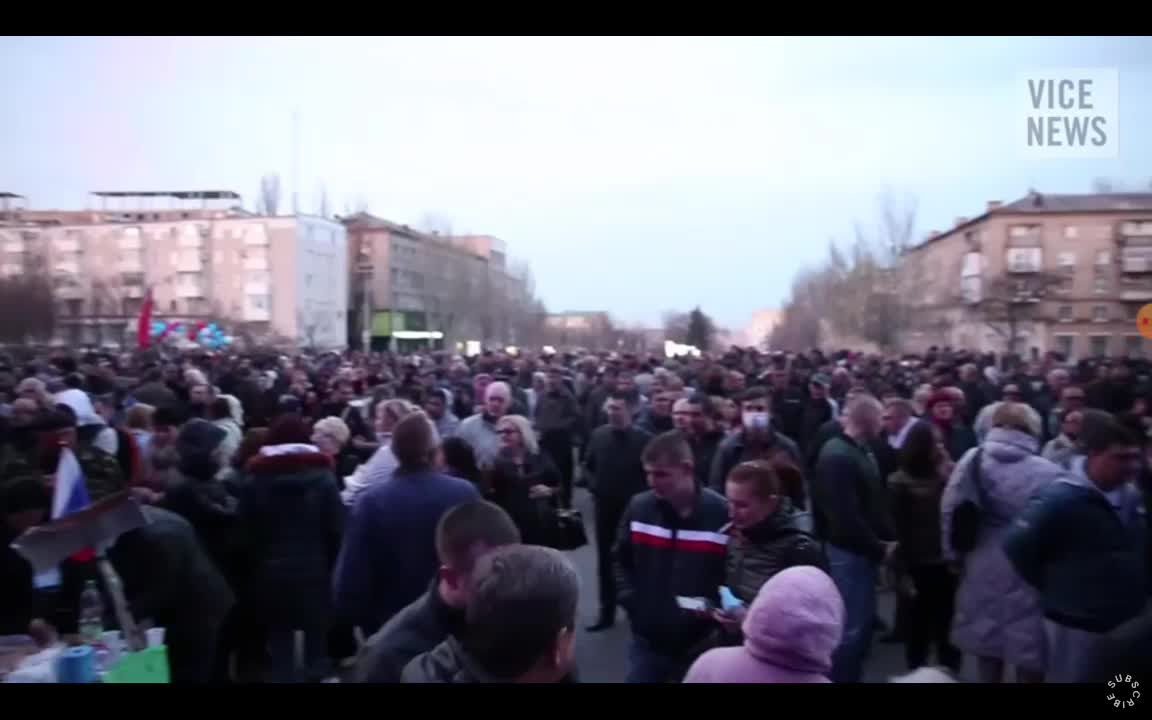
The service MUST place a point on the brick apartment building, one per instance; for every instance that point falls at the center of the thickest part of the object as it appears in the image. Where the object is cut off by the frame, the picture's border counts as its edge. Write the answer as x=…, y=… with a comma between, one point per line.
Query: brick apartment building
x=263, y=277
x=1075, y=268
x=413, y=289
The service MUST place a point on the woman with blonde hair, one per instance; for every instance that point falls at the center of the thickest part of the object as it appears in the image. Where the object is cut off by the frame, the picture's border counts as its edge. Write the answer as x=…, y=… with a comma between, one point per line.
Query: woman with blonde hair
x=998, y=616
x=523, y=480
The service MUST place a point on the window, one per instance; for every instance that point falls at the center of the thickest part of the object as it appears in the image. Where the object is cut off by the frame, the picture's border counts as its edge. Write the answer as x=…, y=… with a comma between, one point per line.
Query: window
x=1100, y=313
x=1103, y=257
x=132, y=306
x=258, y=302
x=1071, y=232
x=1101, y=284
x=172, y=306
x=130, y=239
x=1064, y=344
x=1134, y=346
x=1065, y=313
x=1099, y=345
x=1024, y=259
x=970, y=289
x=74, y=306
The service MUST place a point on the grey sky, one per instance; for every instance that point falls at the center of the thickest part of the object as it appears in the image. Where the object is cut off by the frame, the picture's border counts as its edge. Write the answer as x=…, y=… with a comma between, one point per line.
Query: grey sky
x=635, y=175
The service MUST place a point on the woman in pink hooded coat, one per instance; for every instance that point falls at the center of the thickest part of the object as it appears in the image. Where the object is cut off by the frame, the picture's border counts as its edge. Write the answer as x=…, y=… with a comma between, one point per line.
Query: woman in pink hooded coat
x=790, y=631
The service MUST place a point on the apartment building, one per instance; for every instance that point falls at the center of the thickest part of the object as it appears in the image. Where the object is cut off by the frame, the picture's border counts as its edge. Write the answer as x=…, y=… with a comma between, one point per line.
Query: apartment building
x=412, y=289
x=1064, y=273
x=263, y=278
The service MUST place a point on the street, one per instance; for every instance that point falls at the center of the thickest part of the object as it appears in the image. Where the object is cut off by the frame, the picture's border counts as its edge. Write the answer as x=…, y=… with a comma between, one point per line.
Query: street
x=603, y=656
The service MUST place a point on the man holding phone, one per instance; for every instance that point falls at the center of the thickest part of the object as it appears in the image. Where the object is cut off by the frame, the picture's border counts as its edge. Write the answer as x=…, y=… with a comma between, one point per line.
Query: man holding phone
x=669, y=563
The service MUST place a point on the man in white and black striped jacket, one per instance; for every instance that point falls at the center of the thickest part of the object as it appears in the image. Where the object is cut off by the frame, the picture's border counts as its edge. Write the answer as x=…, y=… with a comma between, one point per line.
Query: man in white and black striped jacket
x=669, y=546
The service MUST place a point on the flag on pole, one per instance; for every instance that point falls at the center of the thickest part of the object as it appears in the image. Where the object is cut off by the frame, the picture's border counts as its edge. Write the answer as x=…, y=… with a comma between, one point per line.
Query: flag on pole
x=69, y=495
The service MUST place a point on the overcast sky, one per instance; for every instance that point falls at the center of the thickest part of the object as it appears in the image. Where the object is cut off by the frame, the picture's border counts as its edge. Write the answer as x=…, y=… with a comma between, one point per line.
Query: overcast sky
x=636, y=175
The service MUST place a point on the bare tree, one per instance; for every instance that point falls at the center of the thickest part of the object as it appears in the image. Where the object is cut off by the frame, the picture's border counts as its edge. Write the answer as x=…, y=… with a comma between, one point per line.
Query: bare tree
x=858, y=294
x=269, y=196
x=30, y=303
x=1008, y=300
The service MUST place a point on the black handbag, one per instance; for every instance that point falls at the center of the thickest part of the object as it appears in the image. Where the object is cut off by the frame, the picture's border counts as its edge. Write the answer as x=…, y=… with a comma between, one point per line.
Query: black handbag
x=967, y=518
x=563, y=528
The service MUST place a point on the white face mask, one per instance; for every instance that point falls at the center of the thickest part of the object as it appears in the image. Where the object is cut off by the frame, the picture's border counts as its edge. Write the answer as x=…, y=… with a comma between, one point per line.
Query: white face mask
x=756, y=420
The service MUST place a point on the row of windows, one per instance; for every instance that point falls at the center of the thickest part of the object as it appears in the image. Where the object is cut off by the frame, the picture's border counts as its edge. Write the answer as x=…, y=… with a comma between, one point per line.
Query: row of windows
x=1100, y=345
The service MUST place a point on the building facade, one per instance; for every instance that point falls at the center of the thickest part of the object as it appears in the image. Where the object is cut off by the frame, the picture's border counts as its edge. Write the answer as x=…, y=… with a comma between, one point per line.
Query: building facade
x=263, y=278
x=1064, y=273
x=412, y=289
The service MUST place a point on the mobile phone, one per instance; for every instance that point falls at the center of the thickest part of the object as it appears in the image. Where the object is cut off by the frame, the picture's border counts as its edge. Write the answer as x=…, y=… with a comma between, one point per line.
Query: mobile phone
x=695, y=604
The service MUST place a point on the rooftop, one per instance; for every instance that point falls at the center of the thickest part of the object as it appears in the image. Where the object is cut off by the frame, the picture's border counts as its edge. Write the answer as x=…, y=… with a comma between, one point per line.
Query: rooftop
x=1037, y=203
x=177, y=194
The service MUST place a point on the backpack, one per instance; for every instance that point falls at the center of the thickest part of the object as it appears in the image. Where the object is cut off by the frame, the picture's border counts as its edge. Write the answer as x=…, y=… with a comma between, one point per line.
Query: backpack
x=967, y=518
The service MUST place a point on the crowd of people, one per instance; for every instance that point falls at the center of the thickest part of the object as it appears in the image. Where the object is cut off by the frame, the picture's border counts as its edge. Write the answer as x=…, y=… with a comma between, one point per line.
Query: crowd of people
x=373, y=517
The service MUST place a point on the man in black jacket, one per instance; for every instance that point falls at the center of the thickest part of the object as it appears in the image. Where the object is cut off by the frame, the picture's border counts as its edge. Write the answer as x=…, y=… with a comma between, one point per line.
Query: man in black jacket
x=759, y=440
x=521, y=620
x=465, y=533
x=613, y=464
x=696, y=417
x=670, y=555
x=851, y=513
x=557, y=421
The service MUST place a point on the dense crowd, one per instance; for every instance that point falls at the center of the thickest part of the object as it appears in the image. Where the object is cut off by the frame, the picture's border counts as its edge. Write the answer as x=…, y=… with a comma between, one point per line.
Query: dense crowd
x=384, y=518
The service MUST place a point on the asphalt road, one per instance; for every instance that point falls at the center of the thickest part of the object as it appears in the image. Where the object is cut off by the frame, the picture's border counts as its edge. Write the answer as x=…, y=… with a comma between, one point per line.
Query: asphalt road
x=603, y=656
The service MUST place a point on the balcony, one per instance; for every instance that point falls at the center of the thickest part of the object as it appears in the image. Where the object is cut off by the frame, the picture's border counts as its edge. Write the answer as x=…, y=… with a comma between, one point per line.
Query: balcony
x=1136, y=259
x=1136, y=295
x=255, y=262
x=1024, y=260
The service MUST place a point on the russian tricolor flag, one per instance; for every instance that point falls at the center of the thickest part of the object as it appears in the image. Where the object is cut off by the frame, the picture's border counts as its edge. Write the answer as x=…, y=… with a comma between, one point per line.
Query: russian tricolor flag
x=69, y=495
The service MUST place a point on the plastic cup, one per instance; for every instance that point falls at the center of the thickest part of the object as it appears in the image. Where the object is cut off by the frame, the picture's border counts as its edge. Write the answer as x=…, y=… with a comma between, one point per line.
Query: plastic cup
x=155, y=637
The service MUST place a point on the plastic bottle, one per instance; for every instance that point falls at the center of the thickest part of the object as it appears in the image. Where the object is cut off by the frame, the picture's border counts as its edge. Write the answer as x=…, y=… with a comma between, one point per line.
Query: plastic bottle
x=91, y=623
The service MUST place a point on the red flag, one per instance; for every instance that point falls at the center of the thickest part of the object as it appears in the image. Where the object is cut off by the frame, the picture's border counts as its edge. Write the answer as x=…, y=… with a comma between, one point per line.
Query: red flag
x=144, y=324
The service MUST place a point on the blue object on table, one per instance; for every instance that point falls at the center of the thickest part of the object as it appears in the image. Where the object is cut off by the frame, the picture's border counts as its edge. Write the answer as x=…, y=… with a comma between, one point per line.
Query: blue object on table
x=77, y=665
x=728, y=601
